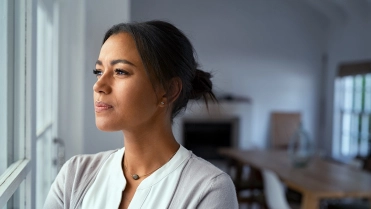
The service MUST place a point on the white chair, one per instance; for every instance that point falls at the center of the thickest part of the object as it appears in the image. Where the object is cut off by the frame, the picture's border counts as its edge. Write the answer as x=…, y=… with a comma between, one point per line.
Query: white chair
x=274, y=191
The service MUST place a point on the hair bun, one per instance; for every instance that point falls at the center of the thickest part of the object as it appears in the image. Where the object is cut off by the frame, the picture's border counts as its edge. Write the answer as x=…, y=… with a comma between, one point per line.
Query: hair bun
x=202, y=85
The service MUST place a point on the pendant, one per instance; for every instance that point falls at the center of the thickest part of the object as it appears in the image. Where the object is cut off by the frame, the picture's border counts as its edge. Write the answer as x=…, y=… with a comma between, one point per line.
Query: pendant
x=135, y=176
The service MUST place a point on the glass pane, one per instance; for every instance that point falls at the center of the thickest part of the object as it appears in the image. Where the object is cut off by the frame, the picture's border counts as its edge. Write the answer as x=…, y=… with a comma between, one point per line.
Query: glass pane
x=348, y=93
x=4, y=71
x=19, y=79
x=363, y=144
x=354, y=133
x=12, y=82
x=345, y=140
x=40, y=88
x=44, y=171
x=367, y=93
x=358, y=90
x=46, y=97
x=44, y=70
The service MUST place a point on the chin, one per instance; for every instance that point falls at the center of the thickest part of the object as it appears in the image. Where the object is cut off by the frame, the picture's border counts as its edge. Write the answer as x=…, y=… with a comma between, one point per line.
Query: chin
x=104, y=126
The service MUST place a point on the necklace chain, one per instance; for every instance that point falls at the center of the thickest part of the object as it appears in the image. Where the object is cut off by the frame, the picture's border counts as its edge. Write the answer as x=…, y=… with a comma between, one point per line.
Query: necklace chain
x=136, y=176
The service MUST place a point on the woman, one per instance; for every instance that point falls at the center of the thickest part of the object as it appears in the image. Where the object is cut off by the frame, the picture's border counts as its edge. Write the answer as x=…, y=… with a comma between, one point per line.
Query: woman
x=146, y=73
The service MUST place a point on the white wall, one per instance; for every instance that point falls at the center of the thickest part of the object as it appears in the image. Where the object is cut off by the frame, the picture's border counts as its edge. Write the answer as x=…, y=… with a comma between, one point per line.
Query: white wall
x=82, y=26
x=100, y=16
x=267, y=50
x=349, y=41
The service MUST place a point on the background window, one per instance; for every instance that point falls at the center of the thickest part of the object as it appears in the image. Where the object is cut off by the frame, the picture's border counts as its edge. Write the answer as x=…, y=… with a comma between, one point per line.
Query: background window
x=353, y=87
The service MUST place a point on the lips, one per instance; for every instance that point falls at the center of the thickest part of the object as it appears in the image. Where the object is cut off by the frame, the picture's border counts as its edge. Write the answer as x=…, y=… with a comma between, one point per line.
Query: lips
x=101, y=106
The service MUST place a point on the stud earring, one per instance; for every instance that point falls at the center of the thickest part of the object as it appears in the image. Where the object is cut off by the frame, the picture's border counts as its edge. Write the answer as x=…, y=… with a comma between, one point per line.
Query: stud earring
x=162, y=103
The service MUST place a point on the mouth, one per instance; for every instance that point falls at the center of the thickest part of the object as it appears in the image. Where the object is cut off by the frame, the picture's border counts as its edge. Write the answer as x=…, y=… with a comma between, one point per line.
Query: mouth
x=101, y=106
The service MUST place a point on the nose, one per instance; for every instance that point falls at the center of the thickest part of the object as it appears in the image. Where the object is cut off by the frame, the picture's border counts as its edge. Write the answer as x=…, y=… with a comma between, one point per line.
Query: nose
x=102, y=86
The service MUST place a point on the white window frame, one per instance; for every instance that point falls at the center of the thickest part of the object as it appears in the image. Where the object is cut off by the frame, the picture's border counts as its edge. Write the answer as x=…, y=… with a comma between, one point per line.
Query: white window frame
x=20, y=170
x=5, y=63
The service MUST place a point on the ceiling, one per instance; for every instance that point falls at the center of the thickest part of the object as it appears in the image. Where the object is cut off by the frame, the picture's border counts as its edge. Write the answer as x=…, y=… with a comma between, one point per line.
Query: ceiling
x=341, y=10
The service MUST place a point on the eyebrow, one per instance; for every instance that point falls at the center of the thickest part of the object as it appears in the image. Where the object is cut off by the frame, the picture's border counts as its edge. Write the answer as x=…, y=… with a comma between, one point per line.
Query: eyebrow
x=114, y=62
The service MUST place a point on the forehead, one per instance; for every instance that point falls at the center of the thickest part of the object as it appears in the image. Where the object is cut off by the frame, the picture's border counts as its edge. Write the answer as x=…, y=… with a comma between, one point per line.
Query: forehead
x=120, y=46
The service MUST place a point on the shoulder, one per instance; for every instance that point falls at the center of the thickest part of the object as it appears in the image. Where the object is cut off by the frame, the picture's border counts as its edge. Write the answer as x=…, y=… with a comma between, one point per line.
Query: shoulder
x=84, y=165
x=203, y=174
x=80, y=170
x=72, y=180
x=88, y=161
x=206, y=185
x=202, y=168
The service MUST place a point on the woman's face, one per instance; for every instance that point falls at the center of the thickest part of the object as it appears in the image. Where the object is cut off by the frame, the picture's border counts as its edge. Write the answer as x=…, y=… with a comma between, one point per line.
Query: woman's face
x=124, y=96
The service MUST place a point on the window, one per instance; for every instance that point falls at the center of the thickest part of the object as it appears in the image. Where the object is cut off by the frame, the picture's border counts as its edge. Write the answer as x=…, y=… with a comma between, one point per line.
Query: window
x=46, y=97
x=29, y=64
x=14, y=152
x=353, y=103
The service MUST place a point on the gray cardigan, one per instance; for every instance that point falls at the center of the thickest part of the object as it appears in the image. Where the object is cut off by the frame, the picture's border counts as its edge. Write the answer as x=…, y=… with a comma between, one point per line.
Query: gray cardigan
x=200, y=181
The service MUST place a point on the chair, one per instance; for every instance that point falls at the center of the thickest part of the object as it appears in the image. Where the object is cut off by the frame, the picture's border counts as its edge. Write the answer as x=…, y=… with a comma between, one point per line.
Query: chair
x=283, y=126
x=367, y=164
x=274, y=191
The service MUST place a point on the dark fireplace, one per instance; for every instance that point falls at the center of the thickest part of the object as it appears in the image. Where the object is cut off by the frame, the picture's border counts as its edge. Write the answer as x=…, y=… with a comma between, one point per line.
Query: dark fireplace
x=205, y=136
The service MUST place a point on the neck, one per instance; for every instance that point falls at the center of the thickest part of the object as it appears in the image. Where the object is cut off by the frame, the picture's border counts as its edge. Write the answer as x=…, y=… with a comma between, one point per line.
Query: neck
x=148, y=151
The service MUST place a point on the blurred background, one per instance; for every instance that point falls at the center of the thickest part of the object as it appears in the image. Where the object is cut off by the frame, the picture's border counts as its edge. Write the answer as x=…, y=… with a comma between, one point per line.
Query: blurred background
x=283, y=55
x=266, y=56
x=280, y=55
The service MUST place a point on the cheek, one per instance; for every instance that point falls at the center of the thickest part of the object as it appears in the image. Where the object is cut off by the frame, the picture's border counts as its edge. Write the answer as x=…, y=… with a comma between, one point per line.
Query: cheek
x=136, y=98
x=142, y=98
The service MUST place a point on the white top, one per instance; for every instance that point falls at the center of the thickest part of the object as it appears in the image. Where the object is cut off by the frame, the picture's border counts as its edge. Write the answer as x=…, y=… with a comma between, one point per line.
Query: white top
x=201, y=185
x=155, y=191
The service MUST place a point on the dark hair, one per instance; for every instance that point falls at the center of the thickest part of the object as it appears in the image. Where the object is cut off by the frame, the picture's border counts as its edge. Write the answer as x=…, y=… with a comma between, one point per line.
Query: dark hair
x=167, y=53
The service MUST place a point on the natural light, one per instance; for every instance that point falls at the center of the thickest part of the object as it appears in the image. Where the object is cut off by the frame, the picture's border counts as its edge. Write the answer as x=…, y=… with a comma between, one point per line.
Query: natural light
x=355, y=109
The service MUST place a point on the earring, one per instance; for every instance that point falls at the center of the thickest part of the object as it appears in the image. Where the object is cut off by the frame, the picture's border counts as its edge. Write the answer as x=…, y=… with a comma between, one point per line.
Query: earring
x=162, y=103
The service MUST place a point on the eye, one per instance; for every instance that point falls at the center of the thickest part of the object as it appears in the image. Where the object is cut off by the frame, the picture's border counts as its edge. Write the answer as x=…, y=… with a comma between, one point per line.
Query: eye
x=97, y=72
x=121, y=72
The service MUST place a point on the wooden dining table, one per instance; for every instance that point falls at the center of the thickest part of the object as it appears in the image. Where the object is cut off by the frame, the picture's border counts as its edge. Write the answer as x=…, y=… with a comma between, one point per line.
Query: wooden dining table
x=319, y=179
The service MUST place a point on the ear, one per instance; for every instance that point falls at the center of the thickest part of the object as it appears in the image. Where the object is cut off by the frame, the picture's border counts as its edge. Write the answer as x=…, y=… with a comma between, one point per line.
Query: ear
x=173, y=91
